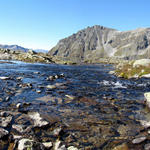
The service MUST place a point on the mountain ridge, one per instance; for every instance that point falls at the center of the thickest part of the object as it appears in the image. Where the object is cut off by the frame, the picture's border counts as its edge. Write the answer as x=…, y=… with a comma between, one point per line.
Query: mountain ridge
x=98, y=42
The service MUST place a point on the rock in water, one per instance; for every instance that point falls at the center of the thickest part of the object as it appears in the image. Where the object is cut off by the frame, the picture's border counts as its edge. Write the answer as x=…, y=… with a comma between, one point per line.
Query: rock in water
x=38, y=121
x=147, y=96
x=27, y=144
x=139, y=140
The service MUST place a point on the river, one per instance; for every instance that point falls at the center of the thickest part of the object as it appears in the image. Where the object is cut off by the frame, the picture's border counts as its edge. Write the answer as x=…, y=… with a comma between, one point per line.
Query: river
x=96, y=109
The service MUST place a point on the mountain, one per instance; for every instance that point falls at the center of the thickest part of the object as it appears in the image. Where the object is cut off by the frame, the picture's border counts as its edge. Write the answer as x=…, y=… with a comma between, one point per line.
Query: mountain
x=14, y=47
x=41, y=50
x=97, y=42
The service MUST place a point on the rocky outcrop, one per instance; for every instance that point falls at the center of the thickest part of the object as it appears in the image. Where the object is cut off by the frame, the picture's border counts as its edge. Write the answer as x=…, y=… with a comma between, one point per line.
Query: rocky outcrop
x=98, y=42
x=30, y=56
x=133, y=69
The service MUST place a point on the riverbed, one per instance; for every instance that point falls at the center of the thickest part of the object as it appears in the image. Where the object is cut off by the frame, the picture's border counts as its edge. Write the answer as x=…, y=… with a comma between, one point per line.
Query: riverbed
x=92, y=108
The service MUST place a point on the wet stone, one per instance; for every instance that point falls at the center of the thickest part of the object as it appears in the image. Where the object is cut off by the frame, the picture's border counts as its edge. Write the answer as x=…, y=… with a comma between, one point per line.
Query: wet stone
x=38, y=121
x=59, y=146
x=21, y=128
x=139, y=140
x=47, y=144
x=72, y=148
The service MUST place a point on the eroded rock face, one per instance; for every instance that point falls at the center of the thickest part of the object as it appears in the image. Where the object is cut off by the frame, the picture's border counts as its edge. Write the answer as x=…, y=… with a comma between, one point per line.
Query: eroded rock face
x=97, y=42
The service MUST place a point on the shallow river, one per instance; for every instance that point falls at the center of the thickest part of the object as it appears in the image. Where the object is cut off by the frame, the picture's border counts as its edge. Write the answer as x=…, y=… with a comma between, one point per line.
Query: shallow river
x=95, y=109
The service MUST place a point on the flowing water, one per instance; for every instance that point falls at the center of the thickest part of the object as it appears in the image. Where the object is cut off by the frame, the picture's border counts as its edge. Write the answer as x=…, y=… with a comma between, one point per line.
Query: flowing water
x=97, y=110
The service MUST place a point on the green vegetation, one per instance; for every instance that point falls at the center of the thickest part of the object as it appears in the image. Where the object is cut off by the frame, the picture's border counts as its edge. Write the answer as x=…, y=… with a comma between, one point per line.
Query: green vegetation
x=128, y=71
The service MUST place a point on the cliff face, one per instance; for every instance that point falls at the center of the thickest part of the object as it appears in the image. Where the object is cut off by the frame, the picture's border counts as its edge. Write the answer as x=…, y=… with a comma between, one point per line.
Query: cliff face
x=97, y=42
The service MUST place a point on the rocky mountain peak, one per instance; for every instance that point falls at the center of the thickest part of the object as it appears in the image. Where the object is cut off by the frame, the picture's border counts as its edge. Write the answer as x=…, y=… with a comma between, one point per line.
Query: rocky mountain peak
x=97, y=42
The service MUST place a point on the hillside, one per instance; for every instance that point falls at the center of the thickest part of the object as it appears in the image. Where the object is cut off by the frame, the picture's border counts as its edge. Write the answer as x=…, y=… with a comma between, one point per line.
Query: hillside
x=98, y=42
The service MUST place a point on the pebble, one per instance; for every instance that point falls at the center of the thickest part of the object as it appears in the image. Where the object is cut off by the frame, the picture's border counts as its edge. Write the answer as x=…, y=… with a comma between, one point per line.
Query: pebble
x=139, y=140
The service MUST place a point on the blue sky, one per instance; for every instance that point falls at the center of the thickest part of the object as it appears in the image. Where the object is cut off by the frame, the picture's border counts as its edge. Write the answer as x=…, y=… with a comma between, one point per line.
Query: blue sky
x=42, y=23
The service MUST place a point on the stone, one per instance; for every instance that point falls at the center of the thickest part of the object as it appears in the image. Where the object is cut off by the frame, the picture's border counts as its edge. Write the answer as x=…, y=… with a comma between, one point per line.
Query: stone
x=57, y=131
x=21, y=128
x=58, y=146
x=48, y=144
x=141, y=62
x=19, y=78
x=146, y=76
x=38, y=121
x=147, y=146
x=145, y=123
x=147, y=96
x=17, y=137
x=38, y=91
x=139, y=140
x=3, y=133
x=70, y=97
x=51, y=87
x=27, y=144
x=123, y=146
x=18, y=105
x=4, y=78
x=72, y=148
x=5, y=121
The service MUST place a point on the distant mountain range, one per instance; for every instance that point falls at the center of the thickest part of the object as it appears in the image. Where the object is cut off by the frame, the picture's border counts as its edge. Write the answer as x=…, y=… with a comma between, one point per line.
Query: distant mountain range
x=14, y=47
x=97, y=42
x=20, y=48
